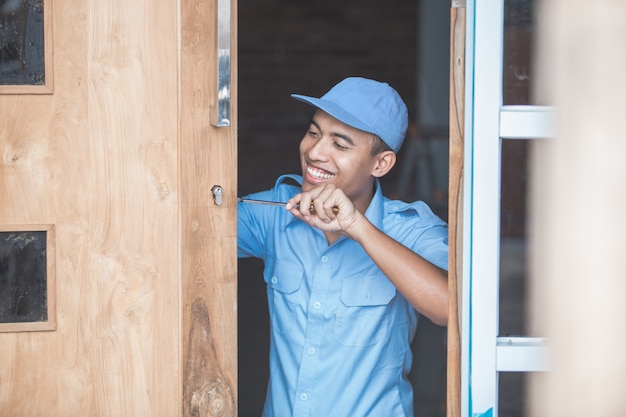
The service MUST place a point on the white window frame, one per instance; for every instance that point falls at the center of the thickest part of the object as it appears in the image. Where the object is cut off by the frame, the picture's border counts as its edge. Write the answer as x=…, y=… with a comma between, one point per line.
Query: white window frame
x=488, y=122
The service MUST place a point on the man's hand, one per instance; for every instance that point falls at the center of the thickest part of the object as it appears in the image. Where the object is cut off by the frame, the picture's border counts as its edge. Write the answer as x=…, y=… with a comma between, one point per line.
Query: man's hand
x=325, y=207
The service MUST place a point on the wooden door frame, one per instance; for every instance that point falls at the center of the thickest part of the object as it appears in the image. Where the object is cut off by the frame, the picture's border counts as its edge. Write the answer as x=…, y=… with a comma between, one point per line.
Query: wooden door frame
x=455, y=214
x=208, y=231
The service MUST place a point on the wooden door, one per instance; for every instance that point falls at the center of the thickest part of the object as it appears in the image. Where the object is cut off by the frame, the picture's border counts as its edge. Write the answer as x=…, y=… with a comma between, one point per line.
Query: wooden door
x=116, y=164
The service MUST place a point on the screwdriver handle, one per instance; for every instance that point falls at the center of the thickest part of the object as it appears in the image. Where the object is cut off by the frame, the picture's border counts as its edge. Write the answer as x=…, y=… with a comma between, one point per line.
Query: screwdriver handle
x=312, y=208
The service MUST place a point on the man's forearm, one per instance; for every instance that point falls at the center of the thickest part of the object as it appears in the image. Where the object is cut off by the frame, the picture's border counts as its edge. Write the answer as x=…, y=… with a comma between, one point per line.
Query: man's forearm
x=423, y=284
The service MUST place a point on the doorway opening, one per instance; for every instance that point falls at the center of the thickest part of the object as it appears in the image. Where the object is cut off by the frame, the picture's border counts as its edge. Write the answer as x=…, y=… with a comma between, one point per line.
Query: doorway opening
x=295, y=47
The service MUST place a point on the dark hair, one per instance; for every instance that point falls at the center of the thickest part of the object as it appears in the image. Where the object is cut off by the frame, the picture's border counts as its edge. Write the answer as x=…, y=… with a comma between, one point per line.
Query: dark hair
x=378, y=146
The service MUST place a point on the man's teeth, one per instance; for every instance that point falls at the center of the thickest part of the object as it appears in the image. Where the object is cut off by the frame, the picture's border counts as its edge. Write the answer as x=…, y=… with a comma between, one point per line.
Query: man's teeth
x=319, y=174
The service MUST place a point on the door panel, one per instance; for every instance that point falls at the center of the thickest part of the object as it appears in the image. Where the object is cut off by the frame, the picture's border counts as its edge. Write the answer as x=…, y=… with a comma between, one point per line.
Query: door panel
x=116, y=159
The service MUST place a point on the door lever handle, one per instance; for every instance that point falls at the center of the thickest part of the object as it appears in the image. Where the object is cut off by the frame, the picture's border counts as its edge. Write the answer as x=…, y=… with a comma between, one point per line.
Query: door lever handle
x=221, y=113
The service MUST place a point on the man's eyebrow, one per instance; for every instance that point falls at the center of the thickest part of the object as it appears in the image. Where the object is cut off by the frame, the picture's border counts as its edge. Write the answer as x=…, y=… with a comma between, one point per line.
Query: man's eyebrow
x=339, y=135
x=313, y=122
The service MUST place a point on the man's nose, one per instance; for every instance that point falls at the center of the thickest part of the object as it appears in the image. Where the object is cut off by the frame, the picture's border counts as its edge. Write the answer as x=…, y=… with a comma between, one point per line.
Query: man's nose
x=319, y=149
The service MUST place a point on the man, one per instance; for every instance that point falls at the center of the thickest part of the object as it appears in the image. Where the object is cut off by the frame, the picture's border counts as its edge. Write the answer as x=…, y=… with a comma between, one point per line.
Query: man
x=348, y=271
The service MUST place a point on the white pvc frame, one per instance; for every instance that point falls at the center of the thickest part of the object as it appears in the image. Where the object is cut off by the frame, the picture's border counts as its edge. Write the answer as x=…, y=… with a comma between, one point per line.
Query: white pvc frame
x=487, y=122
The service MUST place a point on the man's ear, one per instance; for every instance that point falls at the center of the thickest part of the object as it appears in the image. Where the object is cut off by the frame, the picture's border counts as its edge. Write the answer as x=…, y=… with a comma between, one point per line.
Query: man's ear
x=384, y=162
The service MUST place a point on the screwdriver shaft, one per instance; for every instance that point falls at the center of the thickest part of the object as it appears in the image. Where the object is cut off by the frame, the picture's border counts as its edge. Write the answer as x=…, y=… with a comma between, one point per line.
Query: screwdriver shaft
x=279, y=203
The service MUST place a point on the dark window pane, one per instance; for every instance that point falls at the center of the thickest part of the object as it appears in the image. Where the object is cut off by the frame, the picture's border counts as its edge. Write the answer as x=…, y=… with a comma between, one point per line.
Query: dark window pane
x=23, y=277
x=22, y=42
x=518, y=50
x=513, y=276
x=511, y=394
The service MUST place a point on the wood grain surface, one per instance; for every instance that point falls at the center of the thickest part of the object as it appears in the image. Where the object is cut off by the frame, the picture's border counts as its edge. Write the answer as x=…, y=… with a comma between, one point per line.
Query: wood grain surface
x=455, y=278
x=209, y=239
x=110, y=161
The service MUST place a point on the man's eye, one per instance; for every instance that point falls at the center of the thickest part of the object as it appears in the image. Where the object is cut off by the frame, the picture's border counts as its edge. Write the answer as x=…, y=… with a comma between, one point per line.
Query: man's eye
x=340, y=146
x=313, y=133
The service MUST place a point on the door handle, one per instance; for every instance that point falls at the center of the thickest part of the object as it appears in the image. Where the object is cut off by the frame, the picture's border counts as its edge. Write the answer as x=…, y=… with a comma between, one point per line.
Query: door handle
x=221, y=113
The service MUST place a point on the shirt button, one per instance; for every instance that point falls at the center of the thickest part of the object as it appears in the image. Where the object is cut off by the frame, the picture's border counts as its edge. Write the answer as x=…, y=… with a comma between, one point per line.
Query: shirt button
x=324, y=259
x=317, y=305
x=311, y=351
x=274, y=280
x=304, y=397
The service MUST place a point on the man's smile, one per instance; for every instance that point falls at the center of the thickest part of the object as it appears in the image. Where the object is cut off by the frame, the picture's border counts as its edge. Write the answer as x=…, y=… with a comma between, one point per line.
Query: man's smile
x=319, y=174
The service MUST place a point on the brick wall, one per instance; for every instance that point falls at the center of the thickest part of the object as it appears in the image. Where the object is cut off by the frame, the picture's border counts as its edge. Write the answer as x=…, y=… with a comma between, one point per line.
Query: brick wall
x=303, y=47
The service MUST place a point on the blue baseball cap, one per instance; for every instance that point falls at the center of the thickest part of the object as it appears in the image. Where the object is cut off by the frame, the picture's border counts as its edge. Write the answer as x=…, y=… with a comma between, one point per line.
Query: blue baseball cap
x=368, y=105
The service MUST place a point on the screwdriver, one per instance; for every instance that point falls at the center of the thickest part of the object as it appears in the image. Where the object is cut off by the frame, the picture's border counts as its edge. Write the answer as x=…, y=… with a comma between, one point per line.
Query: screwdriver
x=279, y=203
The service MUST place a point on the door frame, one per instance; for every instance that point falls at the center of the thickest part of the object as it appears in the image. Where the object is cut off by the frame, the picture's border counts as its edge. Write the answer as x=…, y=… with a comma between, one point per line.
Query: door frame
x=483, y=353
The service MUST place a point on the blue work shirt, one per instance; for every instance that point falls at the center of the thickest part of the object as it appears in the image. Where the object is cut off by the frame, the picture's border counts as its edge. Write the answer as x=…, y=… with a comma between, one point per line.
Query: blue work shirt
x=340, y=332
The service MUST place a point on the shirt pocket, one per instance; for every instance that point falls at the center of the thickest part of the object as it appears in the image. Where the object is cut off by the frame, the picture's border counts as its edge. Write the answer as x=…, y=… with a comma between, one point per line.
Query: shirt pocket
x=283, y=284
x=362, y=317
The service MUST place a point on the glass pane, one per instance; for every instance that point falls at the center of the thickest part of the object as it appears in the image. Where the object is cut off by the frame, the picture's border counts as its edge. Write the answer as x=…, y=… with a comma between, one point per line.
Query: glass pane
x=23, y=277
x=518, y=33
x=21, y=42
x=511, y=389
x=513, y=276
